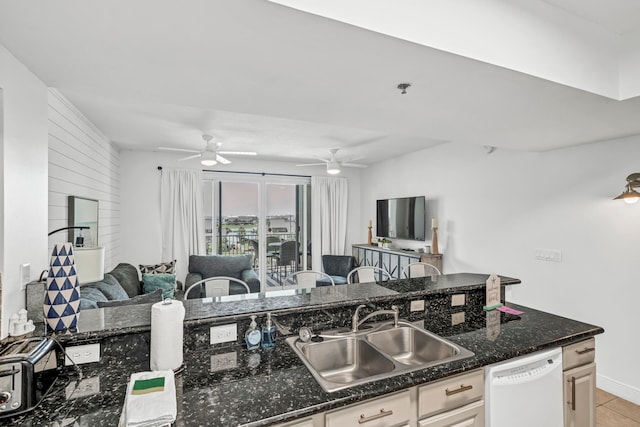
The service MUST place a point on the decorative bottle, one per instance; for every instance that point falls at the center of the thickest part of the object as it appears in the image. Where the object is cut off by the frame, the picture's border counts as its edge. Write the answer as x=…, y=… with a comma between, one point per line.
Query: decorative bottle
x=253, y=336
x=268, y=333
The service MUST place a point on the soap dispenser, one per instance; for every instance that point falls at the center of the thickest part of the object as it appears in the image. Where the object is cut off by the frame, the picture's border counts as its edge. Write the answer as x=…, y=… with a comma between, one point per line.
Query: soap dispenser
x=253, y=336
x=268, y=333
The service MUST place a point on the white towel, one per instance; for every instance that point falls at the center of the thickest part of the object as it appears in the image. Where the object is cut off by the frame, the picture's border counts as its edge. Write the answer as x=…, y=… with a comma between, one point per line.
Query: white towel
x=153, y=409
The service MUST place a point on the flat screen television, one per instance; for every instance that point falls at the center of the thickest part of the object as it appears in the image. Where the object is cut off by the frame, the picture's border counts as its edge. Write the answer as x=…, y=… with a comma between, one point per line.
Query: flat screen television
x=401, y=218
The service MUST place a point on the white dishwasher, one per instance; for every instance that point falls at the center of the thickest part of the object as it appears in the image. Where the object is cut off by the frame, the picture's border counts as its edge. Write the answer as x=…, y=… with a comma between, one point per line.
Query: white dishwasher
x=526, y=391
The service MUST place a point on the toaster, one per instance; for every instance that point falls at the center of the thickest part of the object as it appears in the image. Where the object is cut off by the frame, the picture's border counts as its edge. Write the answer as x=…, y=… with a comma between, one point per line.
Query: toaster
x=28, y=369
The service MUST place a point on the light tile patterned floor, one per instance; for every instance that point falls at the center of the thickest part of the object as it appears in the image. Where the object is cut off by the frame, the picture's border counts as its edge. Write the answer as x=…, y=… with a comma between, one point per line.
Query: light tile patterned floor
x=611, y=411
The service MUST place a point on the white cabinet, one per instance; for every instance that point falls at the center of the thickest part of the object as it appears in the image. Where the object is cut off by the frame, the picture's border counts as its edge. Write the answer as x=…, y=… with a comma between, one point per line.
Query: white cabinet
x=471, y=415
x=388, y=411
x=579, y=384
x=453, y=402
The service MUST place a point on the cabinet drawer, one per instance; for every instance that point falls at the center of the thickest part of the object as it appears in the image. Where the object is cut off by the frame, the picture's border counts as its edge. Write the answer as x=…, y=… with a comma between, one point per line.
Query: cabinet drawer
x=450, y=393
x=578, y=354
x=308, y=422
x=390, y=410
x=471, y=415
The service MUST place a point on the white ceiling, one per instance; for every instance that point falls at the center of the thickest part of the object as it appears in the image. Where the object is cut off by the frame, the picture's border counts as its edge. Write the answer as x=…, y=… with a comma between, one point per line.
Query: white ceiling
x=291, y=85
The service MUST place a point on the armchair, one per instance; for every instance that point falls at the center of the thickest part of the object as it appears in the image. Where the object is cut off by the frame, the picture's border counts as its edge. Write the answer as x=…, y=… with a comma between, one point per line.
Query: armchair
x=338, y=267
x=236, y=266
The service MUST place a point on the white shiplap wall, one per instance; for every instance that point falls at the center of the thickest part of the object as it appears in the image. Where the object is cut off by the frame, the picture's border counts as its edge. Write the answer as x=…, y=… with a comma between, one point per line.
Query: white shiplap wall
x=82, y=162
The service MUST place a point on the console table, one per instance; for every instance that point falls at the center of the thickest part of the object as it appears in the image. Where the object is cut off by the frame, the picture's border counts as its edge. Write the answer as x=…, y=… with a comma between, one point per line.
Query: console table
x=392, y=260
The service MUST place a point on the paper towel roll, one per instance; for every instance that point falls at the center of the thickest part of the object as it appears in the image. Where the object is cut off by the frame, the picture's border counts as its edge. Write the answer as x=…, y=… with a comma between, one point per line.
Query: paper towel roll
x=167, y=318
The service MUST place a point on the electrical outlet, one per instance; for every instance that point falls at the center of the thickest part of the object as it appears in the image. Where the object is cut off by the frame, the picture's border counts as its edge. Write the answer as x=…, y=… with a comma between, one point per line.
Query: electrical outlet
x=86, y=387
x=417, y=305
x=221, y=362
x=224, y=333
x=80, y=354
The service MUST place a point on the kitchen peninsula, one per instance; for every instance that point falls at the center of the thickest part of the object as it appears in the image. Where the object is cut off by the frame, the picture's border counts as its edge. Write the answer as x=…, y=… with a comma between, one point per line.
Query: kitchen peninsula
x=226, y=385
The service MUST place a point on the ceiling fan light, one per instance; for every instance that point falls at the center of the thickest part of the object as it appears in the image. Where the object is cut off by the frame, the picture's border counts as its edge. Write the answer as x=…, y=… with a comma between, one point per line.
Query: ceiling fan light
x=208, y=159
x=333, y=168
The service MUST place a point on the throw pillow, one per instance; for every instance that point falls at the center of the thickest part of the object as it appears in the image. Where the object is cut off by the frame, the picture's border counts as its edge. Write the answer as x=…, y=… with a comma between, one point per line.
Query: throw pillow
x=140, y=299
x=110, y=287
x=164, y=267
x=89, y=298
x=127, y=276
x=164, y=281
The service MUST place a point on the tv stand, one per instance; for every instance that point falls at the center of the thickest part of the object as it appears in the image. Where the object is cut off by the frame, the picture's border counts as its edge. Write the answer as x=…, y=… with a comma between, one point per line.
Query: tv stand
x=392, y=260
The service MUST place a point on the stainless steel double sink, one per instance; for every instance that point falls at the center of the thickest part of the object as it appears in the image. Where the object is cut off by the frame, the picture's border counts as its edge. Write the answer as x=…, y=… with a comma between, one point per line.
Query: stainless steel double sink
x=347, y=359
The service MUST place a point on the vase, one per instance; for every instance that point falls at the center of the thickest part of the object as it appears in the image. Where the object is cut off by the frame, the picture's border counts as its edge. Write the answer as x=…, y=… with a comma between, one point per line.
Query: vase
x=62, y=296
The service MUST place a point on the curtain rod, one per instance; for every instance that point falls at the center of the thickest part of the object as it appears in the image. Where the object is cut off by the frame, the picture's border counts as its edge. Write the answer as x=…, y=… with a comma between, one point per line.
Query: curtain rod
x=253, y=173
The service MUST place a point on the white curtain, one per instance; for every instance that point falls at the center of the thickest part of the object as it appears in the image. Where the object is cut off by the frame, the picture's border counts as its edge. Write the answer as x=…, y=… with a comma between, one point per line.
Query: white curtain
x=329, y=218
x=182, y=217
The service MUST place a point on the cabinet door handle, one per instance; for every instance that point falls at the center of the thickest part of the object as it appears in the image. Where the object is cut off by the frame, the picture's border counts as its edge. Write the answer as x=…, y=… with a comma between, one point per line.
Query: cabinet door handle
x=573, y=393
x=586, y=350
x=382, y=414
x=460, y=389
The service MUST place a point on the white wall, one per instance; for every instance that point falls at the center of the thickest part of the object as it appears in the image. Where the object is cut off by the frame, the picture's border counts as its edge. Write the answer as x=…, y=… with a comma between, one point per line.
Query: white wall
x=494, y=210
x=82, y=162
x=24, y=180
x=140, y=196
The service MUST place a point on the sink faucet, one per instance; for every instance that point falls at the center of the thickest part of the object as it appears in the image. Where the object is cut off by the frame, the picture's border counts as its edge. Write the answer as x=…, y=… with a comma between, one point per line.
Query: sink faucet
x=356, y=322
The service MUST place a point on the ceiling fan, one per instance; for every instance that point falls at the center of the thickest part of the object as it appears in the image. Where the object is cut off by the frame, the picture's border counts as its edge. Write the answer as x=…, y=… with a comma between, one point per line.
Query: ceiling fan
x=211, y=155
x=333, y=165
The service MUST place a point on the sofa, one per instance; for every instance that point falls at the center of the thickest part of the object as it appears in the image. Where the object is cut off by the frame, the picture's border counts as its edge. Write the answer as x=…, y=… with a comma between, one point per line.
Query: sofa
x=236, y=266
x=120, y=286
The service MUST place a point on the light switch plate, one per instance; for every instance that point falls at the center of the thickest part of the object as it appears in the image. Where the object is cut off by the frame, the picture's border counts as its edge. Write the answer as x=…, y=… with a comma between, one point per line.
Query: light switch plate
x=457, y=300
x=80, y=354
x=457, y=318
x=548, y=254
x=25, y=275
x=223, y=333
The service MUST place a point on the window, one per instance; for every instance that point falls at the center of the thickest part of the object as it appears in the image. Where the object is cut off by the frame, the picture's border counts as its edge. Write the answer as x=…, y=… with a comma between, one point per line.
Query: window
x=267, y=216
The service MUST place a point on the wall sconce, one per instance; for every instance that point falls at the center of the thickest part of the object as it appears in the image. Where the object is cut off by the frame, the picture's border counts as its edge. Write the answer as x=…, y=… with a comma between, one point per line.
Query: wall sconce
x=629, y=195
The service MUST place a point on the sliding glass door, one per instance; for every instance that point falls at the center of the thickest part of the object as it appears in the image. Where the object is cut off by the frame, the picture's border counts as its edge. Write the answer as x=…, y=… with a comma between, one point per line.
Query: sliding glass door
x=265, y=216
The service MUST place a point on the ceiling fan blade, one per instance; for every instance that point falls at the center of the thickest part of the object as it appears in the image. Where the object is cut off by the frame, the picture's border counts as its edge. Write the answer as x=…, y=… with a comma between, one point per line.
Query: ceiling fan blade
x=312, y=164
x=354, y=165
x=238, y=153
x=190, y=157
x=222, y=160
x=182, y=150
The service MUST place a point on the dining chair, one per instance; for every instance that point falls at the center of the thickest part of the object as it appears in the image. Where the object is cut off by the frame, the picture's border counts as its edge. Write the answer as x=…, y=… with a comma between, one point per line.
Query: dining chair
x=212, y=287
x=367, y=274
x=307, y=279
x=288, y=255
x=420, y=269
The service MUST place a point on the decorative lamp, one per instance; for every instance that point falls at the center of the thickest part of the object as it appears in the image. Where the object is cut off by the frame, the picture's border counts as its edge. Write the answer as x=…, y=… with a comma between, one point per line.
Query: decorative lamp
x=629, y=195
x=89, y=264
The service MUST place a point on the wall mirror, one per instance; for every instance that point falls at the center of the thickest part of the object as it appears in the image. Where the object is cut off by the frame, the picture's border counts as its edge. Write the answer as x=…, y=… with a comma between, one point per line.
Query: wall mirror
x=83, y=212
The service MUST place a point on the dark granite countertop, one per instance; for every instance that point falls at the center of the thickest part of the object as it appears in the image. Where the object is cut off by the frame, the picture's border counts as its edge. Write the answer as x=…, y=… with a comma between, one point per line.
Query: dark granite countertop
x=271, y=386
x=137, y=318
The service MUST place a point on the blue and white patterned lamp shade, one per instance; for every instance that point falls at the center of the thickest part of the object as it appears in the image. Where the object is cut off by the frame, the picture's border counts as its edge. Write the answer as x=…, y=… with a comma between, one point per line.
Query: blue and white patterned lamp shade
x=62, y=298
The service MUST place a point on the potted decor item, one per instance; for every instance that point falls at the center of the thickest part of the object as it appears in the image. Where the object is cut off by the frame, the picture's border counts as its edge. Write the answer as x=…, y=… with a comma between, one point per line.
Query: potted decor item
x=62, y=298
